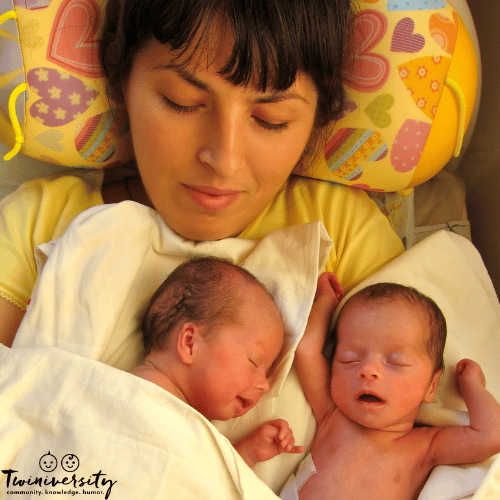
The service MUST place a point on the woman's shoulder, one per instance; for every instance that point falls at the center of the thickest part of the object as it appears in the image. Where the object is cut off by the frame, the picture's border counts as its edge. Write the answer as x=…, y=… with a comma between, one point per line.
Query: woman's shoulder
x=303, y=200
x=323, y=192
x=52, y=201
x=39, y=211
x=362, y=238
x=57, y=185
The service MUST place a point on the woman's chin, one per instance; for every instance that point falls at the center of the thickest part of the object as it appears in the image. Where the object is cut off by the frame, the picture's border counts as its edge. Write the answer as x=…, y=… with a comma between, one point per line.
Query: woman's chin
x=199, y=228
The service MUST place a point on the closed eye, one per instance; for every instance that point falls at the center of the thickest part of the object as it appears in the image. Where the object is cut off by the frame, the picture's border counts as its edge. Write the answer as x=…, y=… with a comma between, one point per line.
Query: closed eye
x=398, y=363
x=276, y=127
x=178, y=108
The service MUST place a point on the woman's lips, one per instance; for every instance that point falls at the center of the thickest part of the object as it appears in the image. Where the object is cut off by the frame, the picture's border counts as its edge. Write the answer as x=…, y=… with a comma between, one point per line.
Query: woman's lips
x=210, y=198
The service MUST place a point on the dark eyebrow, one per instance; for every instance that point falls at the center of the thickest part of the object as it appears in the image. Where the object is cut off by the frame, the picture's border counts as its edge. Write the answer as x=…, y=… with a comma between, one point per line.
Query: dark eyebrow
x=185, y=75
x=280, y=96
x=189, y=77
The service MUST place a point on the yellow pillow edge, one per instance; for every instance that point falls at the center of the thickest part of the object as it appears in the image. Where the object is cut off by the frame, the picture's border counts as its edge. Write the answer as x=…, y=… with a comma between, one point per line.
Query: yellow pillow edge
x=440, y=143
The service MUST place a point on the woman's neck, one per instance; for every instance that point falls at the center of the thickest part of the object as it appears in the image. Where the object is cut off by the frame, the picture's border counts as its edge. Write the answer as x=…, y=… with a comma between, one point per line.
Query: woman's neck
x=123, y=183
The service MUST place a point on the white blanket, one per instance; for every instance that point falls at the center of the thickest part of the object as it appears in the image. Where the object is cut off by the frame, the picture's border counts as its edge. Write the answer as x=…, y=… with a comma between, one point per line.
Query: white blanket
x=96, y=284
x=70, y=425
x=98, y=279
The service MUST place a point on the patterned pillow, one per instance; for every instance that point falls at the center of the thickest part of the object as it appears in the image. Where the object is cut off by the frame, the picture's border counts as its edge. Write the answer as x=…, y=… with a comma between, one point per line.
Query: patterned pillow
x=411, y=87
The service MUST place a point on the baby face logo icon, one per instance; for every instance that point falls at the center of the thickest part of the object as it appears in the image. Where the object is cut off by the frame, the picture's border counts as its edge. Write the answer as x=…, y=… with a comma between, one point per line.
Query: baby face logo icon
x=48, y=462
x=70, y=462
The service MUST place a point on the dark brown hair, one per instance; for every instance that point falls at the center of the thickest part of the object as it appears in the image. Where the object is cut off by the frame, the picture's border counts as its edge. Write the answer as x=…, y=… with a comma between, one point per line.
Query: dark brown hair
x=273, y=40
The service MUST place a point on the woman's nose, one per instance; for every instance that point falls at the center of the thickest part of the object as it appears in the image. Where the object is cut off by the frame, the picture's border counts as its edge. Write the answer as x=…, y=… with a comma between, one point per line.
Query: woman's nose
x=222, y=144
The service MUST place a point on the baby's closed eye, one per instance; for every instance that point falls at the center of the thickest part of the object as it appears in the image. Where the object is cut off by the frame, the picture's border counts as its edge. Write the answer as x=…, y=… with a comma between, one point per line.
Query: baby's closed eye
x=399, y=359
x=347, y=357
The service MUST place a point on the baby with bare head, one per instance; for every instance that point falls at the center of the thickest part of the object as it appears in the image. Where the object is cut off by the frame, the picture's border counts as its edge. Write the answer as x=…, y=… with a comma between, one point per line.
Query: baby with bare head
x=388, y=358
x=212, y=334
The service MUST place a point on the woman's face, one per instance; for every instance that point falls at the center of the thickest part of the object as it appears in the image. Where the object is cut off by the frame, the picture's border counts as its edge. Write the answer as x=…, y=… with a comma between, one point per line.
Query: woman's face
x=212, y=155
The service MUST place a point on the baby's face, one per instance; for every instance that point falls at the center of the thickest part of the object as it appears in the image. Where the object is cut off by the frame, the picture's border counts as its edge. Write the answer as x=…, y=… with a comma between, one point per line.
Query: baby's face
x=234, y=362
x=381, y=371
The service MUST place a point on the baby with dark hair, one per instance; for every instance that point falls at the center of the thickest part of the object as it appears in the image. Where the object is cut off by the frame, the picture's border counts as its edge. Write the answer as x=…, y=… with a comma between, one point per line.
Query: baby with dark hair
x=431, y=314
x=212, y=334
x=388, y=358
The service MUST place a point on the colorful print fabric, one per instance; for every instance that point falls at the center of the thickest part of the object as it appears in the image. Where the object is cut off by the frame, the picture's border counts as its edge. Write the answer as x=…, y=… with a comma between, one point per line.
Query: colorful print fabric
x=394, y=79
x=66, y=115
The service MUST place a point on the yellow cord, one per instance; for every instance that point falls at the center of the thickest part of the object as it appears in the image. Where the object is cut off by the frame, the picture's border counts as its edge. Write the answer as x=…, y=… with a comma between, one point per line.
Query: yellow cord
x=461, y=114
x=15, y=121
x=11, y=14
x=12, y=102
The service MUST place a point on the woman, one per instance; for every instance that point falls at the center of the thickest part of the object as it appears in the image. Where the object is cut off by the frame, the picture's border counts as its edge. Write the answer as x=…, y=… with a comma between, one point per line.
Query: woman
x=224, y=100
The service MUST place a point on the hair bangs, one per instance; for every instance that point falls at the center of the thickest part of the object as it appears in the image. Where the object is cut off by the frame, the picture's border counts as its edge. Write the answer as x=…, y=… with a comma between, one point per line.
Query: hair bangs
x=264, y=51
x=270, y=41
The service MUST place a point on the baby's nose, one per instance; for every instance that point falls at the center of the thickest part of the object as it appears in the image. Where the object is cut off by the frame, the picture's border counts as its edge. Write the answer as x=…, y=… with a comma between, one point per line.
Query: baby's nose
x=253, y=395
x=262, y=384
x=369, y=370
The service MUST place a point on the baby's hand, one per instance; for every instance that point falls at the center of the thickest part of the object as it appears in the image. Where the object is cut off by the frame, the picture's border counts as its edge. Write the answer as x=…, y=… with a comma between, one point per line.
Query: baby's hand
x=329, y=284
x=273, y=438
x=469, y=371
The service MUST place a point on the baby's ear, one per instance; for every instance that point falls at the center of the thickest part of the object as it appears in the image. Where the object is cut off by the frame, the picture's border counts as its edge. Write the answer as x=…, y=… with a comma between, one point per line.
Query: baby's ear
x=431, y=391
x=188, y=335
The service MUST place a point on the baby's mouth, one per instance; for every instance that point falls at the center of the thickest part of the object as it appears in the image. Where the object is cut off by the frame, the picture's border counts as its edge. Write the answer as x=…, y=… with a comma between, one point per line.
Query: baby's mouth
x=369, y=398
x=246, y=404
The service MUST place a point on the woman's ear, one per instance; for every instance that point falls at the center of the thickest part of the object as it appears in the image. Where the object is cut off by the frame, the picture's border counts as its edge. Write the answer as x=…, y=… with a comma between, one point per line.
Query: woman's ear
x=188, y=336
x=431, y=391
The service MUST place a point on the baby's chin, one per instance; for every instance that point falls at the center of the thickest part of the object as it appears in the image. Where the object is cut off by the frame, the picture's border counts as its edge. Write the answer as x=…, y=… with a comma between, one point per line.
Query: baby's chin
x=238, y=409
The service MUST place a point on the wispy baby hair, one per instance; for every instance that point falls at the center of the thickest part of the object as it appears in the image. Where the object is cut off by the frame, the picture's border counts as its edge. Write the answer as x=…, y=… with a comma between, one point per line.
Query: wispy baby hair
x=437, y=322
x=202, y=290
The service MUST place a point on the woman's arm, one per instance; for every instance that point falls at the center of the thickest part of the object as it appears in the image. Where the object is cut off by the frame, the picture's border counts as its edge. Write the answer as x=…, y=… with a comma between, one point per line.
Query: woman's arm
x=38, y=211
x=10, y=319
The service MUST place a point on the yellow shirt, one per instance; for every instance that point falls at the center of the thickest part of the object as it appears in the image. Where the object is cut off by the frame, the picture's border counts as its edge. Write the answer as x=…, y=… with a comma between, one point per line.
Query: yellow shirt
x=40, y=210
x=363, y=240
x=37, y=212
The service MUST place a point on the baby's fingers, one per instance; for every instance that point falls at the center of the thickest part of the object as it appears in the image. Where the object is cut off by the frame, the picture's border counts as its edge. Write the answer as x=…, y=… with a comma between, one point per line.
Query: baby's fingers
x=283, y=428
x=288, y=446
x=291, y=448
x=295, y=449
x=285, y=439
x=470, y=370
x=335, y=284
x=328, y=283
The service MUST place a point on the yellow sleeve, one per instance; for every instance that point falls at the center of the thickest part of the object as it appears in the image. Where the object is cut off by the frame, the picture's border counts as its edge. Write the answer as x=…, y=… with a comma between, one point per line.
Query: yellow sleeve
x=363, y=240
x=40, y=210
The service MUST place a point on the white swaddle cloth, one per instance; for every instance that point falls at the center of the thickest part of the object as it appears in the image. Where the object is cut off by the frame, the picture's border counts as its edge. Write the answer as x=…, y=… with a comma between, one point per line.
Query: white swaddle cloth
x=97, y=281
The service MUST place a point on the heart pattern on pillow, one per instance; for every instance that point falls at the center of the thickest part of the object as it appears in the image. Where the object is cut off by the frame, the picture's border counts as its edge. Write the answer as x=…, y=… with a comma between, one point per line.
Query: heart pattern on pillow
x=396, y=71
x=62, y=97
x=73, y=41
x=366, y=70
x=404, y=39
